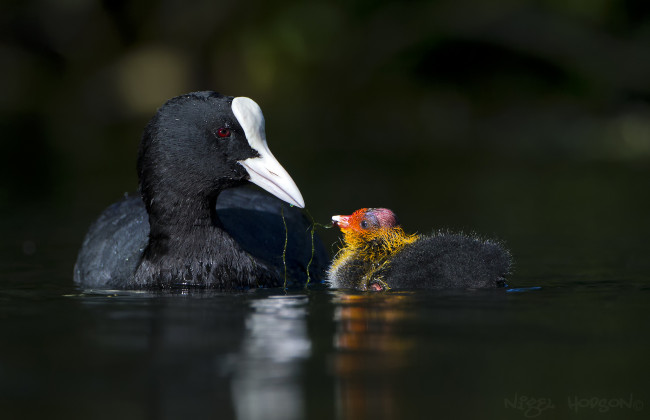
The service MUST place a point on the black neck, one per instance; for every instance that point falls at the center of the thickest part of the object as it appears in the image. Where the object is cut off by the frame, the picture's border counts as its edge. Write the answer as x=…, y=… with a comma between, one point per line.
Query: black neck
x=172, y=214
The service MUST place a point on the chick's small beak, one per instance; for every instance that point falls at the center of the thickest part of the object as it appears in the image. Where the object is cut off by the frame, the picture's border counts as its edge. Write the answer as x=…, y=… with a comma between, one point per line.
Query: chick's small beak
x=343, y=222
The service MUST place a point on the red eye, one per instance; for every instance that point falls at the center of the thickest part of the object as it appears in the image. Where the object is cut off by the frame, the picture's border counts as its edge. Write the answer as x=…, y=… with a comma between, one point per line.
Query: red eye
x=223, y=132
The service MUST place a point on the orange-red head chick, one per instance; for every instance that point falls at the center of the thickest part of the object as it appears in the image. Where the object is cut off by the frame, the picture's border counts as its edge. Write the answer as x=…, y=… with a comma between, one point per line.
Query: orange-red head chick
x=366, y=225
x=370, y=237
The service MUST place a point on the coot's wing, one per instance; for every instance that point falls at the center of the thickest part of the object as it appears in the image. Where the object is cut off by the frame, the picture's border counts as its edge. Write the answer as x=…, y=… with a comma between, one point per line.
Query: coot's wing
x=113, y=245
x=254, y=219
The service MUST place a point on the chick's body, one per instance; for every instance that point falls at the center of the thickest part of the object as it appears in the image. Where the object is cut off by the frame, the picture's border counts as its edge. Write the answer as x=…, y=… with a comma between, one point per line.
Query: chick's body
x=379, y=255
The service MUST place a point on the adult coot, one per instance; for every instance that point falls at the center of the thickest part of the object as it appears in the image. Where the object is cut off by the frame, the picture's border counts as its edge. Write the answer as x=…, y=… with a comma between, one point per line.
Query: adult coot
x=182, y=230
x=379, y=255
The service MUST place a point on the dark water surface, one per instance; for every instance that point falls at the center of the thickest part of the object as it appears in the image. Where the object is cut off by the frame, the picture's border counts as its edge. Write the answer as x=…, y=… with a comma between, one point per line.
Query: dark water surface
x=575, y=348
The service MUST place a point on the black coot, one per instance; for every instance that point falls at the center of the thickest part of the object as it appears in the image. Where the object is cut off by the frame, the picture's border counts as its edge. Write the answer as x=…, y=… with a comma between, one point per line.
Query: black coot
x=194, y=224
x=378, y=255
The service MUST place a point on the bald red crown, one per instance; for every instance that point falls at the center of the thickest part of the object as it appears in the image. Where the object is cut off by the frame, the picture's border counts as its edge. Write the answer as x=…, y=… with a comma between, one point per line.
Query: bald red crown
x=365, y=220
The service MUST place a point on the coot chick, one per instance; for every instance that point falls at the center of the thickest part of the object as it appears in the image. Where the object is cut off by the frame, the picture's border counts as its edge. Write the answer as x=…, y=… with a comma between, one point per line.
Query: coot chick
x=180, y=230
x=378, y=255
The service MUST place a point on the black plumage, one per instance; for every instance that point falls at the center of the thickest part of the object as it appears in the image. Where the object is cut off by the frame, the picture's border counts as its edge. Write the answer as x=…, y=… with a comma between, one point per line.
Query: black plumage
x=449, y=260
x=193, y=225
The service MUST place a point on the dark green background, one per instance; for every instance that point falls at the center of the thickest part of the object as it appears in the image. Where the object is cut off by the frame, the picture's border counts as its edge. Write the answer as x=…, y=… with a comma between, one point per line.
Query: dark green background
x=528, y=120
x=525, y=120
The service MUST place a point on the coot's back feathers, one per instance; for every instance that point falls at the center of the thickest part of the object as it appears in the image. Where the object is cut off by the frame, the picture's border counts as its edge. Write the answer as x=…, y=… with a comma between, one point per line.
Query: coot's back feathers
x=113, y=246
x=257, y=222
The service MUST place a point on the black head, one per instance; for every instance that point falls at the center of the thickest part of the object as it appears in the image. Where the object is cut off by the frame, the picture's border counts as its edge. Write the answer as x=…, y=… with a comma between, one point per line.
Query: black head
x=201, y=143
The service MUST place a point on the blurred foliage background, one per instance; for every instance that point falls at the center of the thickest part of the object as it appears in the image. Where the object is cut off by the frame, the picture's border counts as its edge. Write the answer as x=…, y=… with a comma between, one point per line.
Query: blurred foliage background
x=524, y=119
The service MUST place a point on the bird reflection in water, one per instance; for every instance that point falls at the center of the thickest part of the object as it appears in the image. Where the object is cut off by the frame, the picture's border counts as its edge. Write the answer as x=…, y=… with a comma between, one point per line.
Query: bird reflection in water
x=370, y=348
x=266, y=377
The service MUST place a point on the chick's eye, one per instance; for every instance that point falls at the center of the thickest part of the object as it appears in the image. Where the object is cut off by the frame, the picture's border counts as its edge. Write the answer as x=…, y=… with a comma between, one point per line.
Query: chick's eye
x=364, y=224
x=223, y=132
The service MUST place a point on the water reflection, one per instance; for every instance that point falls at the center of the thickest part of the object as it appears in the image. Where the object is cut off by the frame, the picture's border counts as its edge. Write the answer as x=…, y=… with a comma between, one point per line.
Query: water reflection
x=370, y=350
x=266, y=377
